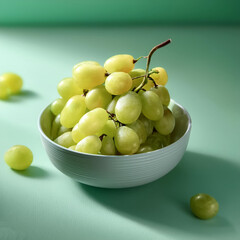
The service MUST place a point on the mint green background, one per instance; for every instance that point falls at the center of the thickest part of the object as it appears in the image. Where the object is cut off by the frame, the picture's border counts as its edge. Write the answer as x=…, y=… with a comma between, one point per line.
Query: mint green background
x=121, y=12
x=42, y=203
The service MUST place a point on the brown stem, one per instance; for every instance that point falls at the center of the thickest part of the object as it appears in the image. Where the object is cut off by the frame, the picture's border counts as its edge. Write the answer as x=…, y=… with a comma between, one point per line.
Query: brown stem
x=154, y=71
x=136, y=60
x=102, y=136
x=112, y=115
x=148, y=62
x=137, y=77
x=155, y=85
x=85, y=91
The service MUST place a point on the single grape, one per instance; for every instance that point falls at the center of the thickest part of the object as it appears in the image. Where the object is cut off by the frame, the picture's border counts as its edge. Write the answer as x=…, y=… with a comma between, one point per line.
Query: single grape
x=166, y=124
x=90, y=123
x=18, y=157
x=13, y=82
x=109, y=129
x=126, y=140
x=74, y=109
x=161, y=77
x=57, y=106
x=88, y=76
x=163, y=94
x=108, y=146
x=73, y=147
x=140, y=129
x=157, y=141
x=90, y=144
x=111, y=106
x=85, y=62
x=65, y=140
x=148, y=85
x=204, y=206
x=144, y=148
x=76, y=135
x=147, y=123
x=67, y=88
x=119, y=63
x=98, y=97
x=137, y=73
x=128, y=107
x=55, y=127
x=152, y=107
x=4, y=91
x=62, y=130
x=118, y=83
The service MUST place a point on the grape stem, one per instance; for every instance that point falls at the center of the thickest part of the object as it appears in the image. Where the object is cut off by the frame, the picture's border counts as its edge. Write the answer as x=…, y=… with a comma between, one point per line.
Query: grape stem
x=151, y=72
x=85, y=91
x=102, y=136
x=145, y=79
x=112, y=117
x=135, y=60
x=155, y=85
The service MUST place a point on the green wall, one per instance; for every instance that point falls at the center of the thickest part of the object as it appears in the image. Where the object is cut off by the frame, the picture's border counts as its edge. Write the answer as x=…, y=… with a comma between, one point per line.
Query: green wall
x=120, y=12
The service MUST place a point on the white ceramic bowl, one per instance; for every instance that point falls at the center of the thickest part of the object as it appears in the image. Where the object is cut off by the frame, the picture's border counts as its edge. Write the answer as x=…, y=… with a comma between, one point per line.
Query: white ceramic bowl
x=118, y=171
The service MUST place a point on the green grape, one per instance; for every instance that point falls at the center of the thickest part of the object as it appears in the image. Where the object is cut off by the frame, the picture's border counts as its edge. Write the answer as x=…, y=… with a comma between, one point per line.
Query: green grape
x=74, y=109
x=88, y=76
x=148, y=85
x=67, y=88
x=152, y=107
x=137, y=73
x=166, y=124
x=163, y=93
x=157, y=141
x=128, y=107
x=62, y=130
x=144, y=148
x=204, y=206
x=111, y=106
x=65, y=140
x=147, y=123
x=18, y=157
x=119, y=63
x=161, y=77
x=109, y=129
x=139, y=128
x=57, y=106
x=91, y=123
x=76, y=136
x=126, y=140
x=13, y=82
x=73, y=147
x=108, y=146
x=85, y=62
x=4, y=91
x=55, y=127
x=90, y=144
x=118, y=83
x=98, y=97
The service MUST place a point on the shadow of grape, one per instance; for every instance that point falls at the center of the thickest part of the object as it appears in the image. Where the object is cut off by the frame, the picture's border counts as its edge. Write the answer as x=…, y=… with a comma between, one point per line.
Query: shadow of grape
x=33, y=172
x=165, y=202
x=23, y=95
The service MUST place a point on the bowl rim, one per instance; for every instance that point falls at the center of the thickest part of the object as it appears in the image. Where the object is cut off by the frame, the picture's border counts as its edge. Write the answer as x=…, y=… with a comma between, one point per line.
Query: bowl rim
x=117, y=156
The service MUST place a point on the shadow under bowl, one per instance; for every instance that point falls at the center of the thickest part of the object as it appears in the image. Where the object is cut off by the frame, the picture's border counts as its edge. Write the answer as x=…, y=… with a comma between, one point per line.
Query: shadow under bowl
x=120, y=171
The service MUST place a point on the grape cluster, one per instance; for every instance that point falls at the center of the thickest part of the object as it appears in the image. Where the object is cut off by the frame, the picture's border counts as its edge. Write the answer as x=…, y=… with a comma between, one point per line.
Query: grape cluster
x=113, y=109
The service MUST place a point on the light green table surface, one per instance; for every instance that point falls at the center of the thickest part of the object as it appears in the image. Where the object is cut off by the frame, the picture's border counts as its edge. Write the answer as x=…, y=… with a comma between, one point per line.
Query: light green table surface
x=204, y=76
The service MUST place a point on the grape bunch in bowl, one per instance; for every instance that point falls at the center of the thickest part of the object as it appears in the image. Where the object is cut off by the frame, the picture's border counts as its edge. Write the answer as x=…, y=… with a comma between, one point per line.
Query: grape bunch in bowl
x=115, y=125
